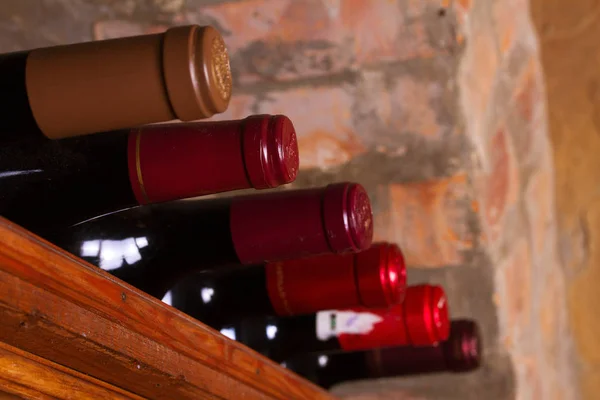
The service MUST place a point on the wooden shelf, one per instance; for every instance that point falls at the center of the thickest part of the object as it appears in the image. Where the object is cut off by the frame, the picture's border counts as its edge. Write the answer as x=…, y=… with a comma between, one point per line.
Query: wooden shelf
x=73, y=322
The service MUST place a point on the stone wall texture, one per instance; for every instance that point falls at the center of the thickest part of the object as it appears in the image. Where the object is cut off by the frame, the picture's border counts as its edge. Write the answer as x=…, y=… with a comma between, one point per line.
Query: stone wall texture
x=438, y=108
x=568, y=32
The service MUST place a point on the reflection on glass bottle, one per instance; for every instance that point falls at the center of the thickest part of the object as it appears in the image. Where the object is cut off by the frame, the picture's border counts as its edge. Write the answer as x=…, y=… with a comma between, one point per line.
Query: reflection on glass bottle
x=112, y=254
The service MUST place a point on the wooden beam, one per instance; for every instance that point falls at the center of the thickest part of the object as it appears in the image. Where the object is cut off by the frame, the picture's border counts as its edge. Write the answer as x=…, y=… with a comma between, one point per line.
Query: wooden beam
x=58, y=307
x=25, y=375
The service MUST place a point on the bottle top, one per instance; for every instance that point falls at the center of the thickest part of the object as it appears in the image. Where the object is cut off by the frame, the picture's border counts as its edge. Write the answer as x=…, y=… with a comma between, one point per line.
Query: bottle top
x=196, y=71
x=270, y=150
x=426, y=315
x=301, y=223
x=461, y=352
x=348, y=217
x=182, y=73
x=182, y=160
x=420, y=320
x=381, y=275
x=463, y=349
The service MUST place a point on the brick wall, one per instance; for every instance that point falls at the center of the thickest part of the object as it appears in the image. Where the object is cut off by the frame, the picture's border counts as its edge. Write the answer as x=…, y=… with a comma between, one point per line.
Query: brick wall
x=437, y=108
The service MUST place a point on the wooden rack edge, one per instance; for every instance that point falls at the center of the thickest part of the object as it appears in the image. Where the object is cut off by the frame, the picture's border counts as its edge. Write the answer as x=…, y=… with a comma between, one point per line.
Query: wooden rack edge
x=65, y=310
x=23, y=374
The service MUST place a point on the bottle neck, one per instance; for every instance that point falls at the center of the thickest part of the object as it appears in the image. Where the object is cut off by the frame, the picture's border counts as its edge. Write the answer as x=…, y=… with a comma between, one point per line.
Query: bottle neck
x=18, y=121
x=279, y=338
x=405, y=360
x=222, y=297
x=346, y=330
x=461, y=353
x=59, y=183
x=327, y=370
x=155, y=246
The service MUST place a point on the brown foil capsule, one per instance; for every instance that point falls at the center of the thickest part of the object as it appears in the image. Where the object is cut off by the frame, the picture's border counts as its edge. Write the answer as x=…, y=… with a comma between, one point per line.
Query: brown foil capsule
x=119, y=83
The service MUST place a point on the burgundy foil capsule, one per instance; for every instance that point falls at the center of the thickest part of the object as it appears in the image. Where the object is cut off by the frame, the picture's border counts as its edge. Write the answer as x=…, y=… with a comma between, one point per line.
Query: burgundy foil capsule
x=460, y=353
x=270, y=151
x=463, y=349
x=375, y=277
x=341, y=222
x=175, y=161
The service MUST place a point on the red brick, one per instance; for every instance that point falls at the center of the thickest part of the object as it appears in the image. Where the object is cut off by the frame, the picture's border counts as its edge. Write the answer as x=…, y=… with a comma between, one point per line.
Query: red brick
x=514, y=281
x=328, y=120
x=527, y=112
x=539, y=202
x=411, y=107
x=529, y=97
x=477, y=76
x=169, y=6
x=430, y=221
x=113, y=29
x=382, y=217
x=461, y=10
x=322, y=118
x=528, y=93
x=551, y=316
x=510, y=21
x=240, y=106
x=289, y=39
x=499, y=187
x=529, y=377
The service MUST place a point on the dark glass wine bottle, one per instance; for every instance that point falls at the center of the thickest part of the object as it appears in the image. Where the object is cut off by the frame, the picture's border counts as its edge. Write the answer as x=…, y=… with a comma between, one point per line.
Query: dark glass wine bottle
x=155, y=246
x=461, y=352
x=101, y=86
x=48, y=184
x=421, y=319
x=374, y=278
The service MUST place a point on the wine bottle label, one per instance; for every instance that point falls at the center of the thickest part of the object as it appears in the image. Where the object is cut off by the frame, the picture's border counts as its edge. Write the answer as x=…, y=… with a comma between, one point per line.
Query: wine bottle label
x=363, y=328
x=335, y=323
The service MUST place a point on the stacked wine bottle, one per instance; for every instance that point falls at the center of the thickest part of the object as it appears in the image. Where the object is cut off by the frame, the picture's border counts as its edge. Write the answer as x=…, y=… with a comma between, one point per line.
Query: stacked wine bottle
x=92, y=161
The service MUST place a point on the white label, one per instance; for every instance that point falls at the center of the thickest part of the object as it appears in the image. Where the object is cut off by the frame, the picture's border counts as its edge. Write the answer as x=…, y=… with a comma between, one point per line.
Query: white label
x=333, y=323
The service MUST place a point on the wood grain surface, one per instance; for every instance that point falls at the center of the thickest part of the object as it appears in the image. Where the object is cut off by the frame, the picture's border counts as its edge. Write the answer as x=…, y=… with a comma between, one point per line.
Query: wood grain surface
x=60, y=308
x=24, y=375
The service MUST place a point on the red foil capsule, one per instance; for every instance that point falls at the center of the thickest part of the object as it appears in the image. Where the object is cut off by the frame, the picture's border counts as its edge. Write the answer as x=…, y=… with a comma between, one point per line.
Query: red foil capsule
x=381, y=276
x=341, y=222
x=426, y=315
x=375, y=277
x=175, y=161
x=420, y=320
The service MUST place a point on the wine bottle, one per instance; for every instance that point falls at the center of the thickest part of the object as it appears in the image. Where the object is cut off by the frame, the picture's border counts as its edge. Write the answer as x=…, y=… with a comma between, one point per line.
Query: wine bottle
x=373, y=278
x=48, y=184
x=100, y=86
x=153, y=247
x=420, y=320
x=460, y=353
